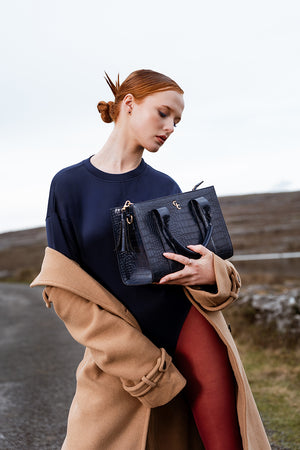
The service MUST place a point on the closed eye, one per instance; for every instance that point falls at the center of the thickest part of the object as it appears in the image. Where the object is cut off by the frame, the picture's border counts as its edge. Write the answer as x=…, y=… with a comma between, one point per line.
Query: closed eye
x=163, y=115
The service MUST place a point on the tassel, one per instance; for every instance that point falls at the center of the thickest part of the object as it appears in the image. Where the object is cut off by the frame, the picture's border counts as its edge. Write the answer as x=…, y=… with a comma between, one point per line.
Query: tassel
x=124, y=244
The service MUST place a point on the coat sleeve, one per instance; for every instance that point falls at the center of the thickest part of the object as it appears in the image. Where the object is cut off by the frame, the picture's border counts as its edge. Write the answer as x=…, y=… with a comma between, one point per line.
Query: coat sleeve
x=228, y=286
x=146, y=372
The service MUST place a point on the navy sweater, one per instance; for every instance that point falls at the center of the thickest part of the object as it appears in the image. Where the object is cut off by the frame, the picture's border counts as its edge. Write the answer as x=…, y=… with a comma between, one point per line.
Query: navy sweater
x=79, y=226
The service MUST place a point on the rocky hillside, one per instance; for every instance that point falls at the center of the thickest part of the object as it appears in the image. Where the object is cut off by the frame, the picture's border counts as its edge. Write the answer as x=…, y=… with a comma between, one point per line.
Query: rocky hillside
x=263, y=223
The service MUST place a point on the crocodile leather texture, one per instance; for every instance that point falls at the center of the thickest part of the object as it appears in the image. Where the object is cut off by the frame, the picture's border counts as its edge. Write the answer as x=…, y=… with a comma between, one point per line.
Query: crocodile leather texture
x=167, y=224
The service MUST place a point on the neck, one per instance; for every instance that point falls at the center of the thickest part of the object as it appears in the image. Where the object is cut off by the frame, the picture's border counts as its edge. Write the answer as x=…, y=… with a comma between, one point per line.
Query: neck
x=119, y=154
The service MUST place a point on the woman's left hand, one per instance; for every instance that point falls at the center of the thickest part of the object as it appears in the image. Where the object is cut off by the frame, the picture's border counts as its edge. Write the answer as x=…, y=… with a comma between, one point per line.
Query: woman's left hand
x=196, y=271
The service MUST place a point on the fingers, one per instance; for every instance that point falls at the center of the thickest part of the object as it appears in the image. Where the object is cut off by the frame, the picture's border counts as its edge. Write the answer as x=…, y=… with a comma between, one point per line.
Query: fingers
x=179, y=258
x=176, y=277
x=196, y=271
x=179, y=277
x=199, y=249
x=185, y=260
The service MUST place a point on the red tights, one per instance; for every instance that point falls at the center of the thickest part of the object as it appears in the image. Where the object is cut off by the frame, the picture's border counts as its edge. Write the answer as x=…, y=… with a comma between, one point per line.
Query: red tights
x=202, y=358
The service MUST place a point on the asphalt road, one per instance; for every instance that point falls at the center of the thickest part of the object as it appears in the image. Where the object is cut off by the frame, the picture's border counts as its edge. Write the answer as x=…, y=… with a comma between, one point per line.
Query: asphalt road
x=38, y=360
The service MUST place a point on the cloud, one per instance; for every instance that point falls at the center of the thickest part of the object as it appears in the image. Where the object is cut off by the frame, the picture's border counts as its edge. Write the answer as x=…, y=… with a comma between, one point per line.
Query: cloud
x=236, y=62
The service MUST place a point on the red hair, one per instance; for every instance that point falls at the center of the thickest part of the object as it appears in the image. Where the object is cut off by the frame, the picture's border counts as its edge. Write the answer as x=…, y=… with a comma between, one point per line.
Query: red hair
x=140, y=84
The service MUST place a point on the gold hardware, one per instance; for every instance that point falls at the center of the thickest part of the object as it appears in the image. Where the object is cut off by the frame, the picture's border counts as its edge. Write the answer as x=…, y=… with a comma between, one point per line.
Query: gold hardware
x=129, y=218
x=176, y=204
x=126, y=205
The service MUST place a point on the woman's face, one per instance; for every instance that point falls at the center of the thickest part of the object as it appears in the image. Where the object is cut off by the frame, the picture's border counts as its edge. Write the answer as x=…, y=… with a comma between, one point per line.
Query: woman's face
x=153, y=119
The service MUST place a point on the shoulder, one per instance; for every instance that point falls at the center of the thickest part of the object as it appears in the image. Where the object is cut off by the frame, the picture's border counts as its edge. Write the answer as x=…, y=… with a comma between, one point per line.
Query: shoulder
x=68, y=176
x=66, y=187
x=163, y=181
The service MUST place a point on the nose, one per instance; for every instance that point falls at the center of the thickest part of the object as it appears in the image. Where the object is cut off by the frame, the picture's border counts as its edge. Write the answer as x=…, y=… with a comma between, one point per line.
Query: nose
x=169, y=126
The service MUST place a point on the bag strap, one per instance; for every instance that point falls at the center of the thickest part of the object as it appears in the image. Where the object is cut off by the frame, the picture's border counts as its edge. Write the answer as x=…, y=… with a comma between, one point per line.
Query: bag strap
x=201, y=209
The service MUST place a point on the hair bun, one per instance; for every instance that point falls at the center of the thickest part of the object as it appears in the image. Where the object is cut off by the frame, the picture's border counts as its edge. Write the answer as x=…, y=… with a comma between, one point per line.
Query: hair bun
x=106, y=109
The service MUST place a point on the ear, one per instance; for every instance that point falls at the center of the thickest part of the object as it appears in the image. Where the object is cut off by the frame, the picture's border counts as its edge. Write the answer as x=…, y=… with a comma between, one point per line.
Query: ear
x=129, y=101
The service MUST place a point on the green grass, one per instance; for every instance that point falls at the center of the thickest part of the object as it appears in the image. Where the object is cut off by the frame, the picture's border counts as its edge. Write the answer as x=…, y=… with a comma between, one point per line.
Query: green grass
x=274, y=376
x=272, y=363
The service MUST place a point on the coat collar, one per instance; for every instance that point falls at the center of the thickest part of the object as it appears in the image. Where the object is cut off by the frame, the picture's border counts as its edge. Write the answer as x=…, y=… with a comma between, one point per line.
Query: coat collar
x=59, y=271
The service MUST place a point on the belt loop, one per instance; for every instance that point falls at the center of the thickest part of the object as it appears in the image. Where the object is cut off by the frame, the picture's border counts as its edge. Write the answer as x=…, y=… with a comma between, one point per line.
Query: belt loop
x=163, y=364
x=149, y=382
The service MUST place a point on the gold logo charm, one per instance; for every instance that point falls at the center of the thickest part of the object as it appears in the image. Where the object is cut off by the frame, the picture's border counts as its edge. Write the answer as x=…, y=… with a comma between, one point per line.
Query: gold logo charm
x=176, y=204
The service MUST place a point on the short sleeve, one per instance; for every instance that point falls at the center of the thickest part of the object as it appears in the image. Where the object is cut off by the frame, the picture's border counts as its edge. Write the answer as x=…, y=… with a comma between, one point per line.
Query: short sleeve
x=61, y=235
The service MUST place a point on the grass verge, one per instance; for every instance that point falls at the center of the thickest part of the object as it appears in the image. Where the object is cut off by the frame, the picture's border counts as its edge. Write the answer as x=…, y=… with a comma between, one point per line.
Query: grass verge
x=272, y=363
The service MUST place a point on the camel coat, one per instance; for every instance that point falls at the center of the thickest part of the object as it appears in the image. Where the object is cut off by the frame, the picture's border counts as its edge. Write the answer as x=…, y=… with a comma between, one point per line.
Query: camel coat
x=129, y=393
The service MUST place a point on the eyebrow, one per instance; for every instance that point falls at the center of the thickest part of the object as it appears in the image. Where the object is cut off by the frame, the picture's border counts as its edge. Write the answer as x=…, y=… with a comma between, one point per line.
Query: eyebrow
x=171, y=109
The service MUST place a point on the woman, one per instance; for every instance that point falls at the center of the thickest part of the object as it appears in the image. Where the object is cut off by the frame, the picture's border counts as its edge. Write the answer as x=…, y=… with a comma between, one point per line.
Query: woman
x=129, y=393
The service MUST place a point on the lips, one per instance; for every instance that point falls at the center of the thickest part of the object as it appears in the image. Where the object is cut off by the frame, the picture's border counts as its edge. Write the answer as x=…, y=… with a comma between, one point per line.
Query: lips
x=162, y=138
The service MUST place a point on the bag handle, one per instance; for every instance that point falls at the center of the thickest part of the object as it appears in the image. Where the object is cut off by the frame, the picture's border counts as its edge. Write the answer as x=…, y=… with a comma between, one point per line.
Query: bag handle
x=201, y=209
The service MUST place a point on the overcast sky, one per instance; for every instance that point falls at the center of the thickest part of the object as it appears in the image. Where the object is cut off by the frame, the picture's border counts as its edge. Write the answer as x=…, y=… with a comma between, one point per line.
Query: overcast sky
x=238, y=63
